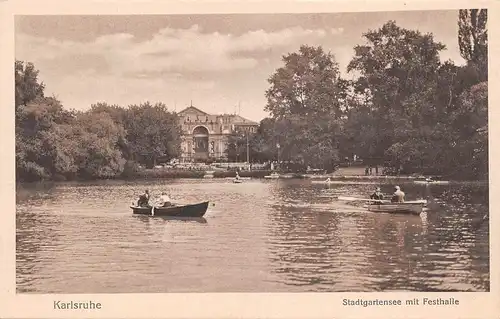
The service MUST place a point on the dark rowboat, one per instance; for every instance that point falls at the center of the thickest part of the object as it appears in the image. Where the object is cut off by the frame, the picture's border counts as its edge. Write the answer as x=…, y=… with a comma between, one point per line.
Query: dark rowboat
x=195, y=210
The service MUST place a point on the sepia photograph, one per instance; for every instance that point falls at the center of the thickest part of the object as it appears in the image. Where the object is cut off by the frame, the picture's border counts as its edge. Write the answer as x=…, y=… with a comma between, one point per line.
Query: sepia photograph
x=252, y=153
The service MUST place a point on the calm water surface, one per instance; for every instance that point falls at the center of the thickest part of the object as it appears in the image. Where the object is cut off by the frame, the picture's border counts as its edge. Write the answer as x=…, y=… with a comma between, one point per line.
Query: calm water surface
x=261, y=236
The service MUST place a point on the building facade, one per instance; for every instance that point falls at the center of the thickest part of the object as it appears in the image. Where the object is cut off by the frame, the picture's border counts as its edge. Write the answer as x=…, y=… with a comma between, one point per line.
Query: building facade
x=206, y=136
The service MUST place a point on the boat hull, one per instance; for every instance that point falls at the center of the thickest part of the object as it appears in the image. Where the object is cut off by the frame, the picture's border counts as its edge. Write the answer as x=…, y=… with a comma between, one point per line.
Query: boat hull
x=323, y=182
x=141, y=210
x=400, y=208
x=195, y=210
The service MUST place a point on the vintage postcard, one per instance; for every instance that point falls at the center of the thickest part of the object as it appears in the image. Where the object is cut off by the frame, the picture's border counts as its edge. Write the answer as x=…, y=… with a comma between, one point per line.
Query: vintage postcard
x=288, y=159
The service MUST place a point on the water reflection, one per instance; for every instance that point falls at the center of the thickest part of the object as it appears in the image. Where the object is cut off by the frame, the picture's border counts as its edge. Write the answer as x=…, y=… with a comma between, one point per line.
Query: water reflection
x=286, y=235
x=201, y=220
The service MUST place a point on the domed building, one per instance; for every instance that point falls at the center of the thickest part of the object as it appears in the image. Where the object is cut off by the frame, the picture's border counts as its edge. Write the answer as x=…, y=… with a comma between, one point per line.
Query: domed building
x=205, y=136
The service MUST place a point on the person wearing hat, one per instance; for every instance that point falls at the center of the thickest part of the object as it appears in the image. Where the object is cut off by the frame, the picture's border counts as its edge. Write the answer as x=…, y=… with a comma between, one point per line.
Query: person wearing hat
x=377, y=195
x=398, y=196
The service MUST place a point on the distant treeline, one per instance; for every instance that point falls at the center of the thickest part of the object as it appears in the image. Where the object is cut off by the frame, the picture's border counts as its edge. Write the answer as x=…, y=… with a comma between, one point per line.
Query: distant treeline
x=406, y=108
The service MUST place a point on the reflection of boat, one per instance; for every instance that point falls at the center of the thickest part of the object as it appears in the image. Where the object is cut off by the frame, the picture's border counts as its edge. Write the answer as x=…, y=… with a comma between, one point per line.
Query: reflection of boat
x=397, y=208
x=272, y=176
x=322, y=182
x=194, y=210
x=200, y=220
x=431, y=180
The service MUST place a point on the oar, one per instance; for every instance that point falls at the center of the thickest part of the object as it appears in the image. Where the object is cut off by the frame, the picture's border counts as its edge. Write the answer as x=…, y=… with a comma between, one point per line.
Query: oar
x=362, y=199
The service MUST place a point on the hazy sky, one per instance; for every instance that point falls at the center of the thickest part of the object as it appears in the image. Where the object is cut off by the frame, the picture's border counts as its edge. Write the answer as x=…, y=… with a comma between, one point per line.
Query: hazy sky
x=217, y=61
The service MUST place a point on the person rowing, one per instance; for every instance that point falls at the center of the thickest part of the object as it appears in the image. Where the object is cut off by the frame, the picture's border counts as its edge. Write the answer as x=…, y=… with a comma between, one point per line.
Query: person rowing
x=328, y=180
x=377, y=194
x=143, y=199
x=398, y=196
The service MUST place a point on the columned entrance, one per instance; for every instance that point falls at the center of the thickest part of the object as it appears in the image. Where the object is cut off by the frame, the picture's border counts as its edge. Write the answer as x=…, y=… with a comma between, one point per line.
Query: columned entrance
x=200, y=139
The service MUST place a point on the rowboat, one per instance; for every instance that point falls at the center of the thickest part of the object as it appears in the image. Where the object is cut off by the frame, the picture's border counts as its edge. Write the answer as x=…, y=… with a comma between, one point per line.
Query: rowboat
x=242, y=178
x=272, y=176
x=397, y=208
x=385, y=206
x=194, y=210
x=237, y=181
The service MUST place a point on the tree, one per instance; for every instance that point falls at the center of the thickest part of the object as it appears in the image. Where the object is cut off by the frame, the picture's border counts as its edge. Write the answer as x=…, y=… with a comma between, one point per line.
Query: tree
x=305, y=99
x=152, y=132
x=398, y=73
x=99, y=154
x=473, y=39
x=27, y=86
x=42, y=144
x=306, y=84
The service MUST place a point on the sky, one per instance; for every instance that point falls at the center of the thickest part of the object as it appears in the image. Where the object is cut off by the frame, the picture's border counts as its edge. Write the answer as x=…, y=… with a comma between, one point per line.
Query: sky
x=219, y=63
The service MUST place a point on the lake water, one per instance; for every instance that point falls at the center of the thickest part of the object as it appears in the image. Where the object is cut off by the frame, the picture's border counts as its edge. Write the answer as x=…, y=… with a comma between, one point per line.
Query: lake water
x=261, y=236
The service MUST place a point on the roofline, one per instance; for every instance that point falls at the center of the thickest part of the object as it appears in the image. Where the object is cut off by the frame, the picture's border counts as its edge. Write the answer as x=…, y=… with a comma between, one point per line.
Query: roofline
x=194, y=107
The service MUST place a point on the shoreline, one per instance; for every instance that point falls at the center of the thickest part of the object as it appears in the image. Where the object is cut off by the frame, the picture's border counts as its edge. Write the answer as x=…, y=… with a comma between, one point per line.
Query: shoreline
x=152, y=175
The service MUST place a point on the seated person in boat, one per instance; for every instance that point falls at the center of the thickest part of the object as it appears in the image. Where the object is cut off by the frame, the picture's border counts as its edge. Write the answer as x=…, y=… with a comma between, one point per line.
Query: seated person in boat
x=377, y=195
x=398, y=196
x=328, y=180
x=165, y=200
x=143, y=199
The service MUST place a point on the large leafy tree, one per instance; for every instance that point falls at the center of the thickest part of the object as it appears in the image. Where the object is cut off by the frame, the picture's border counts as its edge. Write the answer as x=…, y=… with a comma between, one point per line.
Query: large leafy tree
x=27, y=85
x=99, y=137
x=152, y=132
x=41, y=150
x=473, y=39
x=398, y=69
x=305, y=102
x=306, y=84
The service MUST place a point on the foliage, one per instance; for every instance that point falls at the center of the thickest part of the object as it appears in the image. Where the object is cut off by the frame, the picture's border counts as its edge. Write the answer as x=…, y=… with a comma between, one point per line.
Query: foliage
x=27, y=87
x=54, y=143
x=305, y=104
x=307, y=83
x=473, y=39
x=406, y=108
x=152, y=132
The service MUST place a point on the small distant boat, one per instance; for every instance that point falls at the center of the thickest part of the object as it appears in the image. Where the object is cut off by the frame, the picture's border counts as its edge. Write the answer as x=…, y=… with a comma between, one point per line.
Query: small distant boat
x=237, y=181
x=272, y=176
x=193, y=210
x=241, y=178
